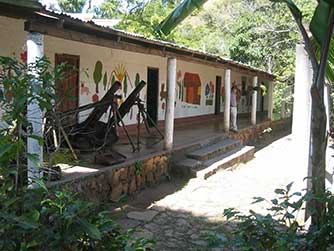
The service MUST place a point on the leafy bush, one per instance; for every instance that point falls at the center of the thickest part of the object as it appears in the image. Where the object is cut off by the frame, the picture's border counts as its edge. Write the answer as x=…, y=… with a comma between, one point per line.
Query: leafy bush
x=280, y=228
x=38, y=219
x=31, y=216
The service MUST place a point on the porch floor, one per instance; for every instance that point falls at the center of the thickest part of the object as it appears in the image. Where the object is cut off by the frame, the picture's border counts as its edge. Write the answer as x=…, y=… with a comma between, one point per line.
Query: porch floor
x=185, y=135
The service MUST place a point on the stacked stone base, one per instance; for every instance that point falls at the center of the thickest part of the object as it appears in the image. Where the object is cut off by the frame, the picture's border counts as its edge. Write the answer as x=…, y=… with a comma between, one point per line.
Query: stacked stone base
x=251, y=133
x=112, y=183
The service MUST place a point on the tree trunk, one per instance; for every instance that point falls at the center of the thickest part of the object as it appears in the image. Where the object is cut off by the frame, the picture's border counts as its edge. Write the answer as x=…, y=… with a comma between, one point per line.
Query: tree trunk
x=318, y=160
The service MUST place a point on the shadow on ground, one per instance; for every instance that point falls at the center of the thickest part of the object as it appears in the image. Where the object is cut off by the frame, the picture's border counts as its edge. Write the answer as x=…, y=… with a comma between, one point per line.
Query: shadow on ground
x=177, y=229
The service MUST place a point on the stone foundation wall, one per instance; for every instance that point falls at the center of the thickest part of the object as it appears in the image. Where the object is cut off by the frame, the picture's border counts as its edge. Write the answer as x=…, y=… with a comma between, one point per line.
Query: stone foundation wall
x=127, y=178
x=113, y=182
x=251, y=133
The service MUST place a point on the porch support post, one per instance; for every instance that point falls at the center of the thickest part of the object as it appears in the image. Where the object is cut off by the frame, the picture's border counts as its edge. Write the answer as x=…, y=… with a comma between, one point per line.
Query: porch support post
x=301, y=119
x=35, y=51
x=169, y=115
x=227, y=100
x=327, y=102
x=254, y=101
x=270, y=99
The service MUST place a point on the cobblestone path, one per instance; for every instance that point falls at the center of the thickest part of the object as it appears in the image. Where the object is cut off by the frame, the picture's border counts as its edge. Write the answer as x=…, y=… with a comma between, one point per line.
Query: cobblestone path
x=191, y=218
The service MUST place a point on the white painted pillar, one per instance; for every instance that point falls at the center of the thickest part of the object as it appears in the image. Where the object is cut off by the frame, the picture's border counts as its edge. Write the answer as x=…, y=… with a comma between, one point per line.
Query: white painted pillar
x=270, y=99
x=327, y=105
x=227, y=99
x=254, y=101
x=169, y=115
x=301, y=120
x=35, y=51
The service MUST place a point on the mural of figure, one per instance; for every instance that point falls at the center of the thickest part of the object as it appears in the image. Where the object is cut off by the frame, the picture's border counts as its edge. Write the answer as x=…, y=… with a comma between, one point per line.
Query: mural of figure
x=209, y=93
x=163, y=96
x=84, y=89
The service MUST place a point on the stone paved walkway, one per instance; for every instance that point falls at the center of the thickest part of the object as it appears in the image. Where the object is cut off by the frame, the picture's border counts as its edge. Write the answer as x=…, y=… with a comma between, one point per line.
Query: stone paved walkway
x=191, y=218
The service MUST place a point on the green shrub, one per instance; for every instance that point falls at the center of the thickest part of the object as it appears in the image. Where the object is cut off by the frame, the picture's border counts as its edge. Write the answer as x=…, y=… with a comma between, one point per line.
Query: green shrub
x=38, y=219
x=280, y=229
x=31, y=216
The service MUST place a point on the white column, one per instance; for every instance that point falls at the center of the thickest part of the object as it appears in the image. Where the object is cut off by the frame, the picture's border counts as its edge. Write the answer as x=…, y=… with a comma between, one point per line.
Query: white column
x=35, y=51
x=327, y=105
x=254, y=101
x=270, y=99
x=301, y=120
x=169, y=115
x=227, y=100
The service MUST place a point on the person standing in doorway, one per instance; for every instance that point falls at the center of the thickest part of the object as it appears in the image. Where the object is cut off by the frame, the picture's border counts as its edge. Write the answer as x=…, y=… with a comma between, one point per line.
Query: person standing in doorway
x=234, y=109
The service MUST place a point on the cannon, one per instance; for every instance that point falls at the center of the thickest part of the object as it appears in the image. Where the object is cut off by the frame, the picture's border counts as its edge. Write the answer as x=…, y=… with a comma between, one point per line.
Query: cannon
x=93, y=133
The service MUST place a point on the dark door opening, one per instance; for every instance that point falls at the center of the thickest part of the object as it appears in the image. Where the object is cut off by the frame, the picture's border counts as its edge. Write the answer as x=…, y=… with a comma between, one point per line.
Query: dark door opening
x=152, y=94
x=218, y=94
x=67, y=88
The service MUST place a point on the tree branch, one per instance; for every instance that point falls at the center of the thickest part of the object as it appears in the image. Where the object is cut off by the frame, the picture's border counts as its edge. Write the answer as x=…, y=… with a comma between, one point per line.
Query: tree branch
x=308, y=45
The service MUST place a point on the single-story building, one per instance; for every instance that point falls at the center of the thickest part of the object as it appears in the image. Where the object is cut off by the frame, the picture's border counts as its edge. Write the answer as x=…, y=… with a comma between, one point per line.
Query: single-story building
x=129, y=58
x=184, y=87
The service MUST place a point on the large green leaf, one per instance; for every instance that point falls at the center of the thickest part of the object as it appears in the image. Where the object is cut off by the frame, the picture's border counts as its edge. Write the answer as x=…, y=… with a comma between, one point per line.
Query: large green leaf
x=331, y=2
x=330, y=60
x=178, y=15
x=90, y=229
x=319, y=22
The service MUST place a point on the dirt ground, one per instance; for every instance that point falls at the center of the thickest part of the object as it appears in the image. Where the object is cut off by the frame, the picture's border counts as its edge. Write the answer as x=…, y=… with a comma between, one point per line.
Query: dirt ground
x=184, y=214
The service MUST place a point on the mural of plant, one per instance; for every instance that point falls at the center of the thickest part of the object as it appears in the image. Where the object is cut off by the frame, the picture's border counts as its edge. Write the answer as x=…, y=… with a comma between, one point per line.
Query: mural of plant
x=125, y=85
x=97, y=75
x=137, y=79
x=105, y=80
x=121, y=75
x=120, y=72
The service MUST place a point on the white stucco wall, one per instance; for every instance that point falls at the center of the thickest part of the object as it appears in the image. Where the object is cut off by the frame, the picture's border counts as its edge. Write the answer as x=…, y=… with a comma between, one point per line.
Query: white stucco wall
x=13, y=37
x=111, y=59
x=13, y=44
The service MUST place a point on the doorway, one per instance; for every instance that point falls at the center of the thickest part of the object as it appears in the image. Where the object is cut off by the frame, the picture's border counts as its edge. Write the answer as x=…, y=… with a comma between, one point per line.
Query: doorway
x=218, y=94
x=67, y=88
x=152, y=94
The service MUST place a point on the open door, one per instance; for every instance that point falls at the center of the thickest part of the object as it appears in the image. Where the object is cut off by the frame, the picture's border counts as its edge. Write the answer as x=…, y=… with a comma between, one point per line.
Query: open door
x=218, y=94
x=152, y=94
x=67, y=88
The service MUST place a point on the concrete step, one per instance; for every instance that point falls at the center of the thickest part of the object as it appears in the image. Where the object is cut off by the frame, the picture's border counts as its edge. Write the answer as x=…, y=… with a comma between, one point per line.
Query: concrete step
x=185, y=167
x=214, y=150
x=235, y=156
x=179, y=153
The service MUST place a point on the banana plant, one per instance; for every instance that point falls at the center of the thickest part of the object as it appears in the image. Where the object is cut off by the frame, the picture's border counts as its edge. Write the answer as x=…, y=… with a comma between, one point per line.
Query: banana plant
x=320, y=48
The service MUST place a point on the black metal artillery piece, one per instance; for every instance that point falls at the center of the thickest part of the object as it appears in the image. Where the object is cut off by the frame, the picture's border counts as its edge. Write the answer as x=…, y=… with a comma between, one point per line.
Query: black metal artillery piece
x=93, y=134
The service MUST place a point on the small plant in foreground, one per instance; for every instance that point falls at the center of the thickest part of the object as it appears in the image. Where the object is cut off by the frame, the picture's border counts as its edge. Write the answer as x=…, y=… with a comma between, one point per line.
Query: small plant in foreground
x=37, y=218
x=280, y=229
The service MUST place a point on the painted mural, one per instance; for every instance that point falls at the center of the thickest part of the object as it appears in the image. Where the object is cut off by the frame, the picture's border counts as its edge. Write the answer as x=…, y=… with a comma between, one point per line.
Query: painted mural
x=119, y=73
x=209, y=93
x=191, y=88
x=84, y=90
x=163, y=96
x=23, y=54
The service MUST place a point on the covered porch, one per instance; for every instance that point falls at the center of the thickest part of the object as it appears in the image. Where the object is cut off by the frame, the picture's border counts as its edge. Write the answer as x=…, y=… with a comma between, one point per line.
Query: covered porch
x=186, y=136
